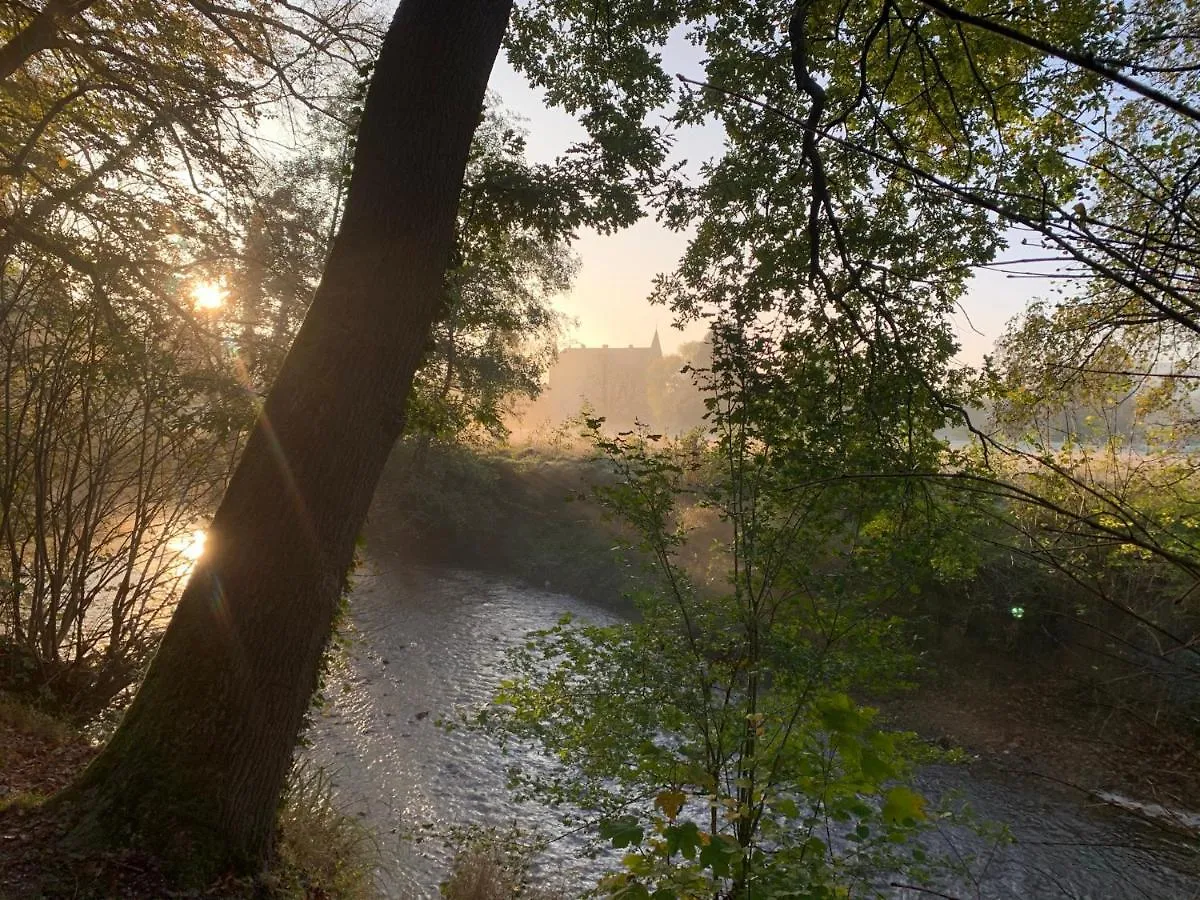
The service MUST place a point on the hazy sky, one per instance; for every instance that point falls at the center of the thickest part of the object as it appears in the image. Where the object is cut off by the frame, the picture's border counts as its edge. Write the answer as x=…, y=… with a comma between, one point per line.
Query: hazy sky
x=609, y=299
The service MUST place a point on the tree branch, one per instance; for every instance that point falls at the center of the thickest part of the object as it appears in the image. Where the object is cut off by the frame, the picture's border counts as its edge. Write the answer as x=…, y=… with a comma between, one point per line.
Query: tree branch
x=1085, y=61
x=38, y=34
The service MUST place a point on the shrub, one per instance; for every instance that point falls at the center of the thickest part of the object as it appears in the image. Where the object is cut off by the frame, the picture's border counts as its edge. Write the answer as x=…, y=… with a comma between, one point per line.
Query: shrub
x=492, y=864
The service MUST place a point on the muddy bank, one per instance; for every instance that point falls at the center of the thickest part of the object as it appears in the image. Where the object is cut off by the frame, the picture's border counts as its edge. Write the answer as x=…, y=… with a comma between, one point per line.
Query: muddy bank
x=1034, y=722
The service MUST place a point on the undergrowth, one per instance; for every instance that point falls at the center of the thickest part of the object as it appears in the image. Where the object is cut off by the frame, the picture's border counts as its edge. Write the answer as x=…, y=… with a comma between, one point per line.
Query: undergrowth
x=320, y=850
x=504, y=510
x=493, y=864
x=24, y=718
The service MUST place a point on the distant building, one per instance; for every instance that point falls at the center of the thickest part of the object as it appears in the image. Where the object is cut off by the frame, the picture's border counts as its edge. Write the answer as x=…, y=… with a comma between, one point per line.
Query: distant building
x=616, y=382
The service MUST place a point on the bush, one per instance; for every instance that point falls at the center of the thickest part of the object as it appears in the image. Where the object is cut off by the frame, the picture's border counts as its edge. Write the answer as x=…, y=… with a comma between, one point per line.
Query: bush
x=716, y=736
x=115, y=446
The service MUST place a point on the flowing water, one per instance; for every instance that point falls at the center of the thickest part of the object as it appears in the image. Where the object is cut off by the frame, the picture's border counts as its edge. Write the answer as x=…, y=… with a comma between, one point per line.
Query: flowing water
x=426, y=643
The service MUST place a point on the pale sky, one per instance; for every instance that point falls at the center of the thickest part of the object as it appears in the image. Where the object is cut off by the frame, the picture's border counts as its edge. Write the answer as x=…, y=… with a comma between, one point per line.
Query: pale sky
x=609, y=298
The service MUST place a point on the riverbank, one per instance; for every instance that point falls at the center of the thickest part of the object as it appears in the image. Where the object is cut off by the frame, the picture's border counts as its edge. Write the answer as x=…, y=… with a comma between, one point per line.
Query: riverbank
x=1043, y=725
x=513, y=511
x=995, y=686
x=430, y=643
x=320, y=853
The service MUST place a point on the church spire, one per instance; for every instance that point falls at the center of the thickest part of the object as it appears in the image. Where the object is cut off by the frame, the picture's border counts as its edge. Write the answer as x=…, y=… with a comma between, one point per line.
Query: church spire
x=655, y=346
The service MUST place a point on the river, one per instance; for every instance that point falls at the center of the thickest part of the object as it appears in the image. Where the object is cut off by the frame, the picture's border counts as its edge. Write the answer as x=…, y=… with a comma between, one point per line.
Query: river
x=428, y=642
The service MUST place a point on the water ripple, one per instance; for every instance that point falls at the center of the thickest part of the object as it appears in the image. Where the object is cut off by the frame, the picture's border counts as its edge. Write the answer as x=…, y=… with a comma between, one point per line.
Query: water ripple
x=428, y=643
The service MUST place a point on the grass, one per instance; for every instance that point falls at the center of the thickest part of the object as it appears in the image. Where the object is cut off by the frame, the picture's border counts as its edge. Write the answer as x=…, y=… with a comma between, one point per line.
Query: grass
x=33, y=723
x=503, y=510
x=480, y=876
x=493, y=864
x=21, y=801
x=320, y=850
x=38, y=754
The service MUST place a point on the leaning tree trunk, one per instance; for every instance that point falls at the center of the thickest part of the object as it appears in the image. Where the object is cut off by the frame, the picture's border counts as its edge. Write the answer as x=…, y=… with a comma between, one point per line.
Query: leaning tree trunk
x=195, y=771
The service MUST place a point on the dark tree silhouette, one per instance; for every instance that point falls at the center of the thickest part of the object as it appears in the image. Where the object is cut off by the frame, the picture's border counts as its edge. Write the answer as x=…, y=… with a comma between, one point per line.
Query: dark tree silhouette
x=195, y=770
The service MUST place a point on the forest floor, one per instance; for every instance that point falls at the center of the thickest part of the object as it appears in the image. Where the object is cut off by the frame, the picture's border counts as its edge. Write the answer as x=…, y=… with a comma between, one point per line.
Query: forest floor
x=320, y=854
x=39, y=755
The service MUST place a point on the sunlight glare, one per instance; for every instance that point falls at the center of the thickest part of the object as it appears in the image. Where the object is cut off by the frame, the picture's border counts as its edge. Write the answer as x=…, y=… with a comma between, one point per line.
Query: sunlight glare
x=209, y=295
x=191, y=546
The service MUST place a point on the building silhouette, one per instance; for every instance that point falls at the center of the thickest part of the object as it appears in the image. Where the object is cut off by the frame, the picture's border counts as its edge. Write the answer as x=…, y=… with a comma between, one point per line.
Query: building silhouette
x=614, y=382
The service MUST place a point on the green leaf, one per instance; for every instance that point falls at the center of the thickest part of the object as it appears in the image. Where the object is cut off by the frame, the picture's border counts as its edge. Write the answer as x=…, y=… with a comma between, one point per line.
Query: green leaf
x=786, y=806
x=875, y=768
x=839, y=715
x=683, y=839
x=633, y=891
x=904, y=806
x=719, y=853
x=622, y=832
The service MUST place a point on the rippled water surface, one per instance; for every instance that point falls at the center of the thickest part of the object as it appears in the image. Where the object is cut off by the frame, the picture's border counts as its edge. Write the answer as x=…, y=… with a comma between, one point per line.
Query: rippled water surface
x=429, y=642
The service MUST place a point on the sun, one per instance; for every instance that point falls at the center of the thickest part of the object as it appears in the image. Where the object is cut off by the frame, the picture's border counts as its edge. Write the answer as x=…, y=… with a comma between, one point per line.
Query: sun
x=209, y=295
x=190, y=546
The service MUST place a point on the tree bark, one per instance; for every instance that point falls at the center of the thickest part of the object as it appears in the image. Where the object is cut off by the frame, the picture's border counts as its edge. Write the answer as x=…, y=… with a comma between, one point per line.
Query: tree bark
x=195, y=771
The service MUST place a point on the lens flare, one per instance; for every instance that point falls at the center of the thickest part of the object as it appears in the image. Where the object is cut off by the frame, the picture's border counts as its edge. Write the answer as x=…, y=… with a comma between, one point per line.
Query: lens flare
x=194, y=548
x=208, y=295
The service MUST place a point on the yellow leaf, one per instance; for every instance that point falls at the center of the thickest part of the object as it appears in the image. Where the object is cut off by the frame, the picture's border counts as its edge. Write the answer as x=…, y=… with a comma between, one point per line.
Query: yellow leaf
x=670, y=802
